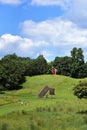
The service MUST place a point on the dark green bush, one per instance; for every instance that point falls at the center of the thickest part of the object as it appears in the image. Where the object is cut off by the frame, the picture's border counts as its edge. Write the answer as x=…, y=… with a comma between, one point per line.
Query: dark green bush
x=80, y=90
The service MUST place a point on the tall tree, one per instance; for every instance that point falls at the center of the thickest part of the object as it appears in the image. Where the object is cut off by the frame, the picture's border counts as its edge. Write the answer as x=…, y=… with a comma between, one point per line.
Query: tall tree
x=83, y=71
x=41, y=64
x=77, y=61
x=36, y=66
x=11, y=72
x=63, y=64
x=77, y=55
x=49, y=67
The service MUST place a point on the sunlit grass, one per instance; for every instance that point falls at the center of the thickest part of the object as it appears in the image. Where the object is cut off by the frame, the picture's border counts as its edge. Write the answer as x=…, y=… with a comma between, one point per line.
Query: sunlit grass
x=62, y=112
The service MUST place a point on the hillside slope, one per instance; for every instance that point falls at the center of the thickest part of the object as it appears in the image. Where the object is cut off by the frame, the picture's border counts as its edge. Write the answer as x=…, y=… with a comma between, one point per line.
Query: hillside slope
x=23, y=109
x=31, y=88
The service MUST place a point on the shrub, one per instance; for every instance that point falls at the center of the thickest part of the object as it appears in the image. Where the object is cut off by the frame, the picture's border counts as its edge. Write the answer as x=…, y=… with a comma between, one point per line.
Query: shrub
x=80, y=90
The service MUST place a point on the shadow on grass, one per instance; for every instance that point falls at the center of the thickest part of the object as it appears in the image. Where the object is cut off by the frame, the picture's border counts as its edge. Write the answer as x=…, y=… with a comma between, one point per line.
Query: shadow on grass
x=82, y=112
x=18, y=87
x=2, y=92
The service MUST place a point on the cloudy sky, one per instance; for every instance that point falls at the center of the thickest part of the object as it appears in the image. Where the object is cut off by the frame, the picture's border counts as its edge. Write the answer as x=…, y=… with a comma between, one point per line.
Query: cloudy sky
x=49, y=27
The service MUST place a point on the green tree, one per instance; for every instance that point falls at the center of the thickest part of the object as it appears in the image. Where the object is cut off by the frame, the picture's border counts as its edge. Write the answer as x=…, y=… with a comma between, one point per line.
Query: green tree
x=36, y=66
x=75, y=70
x=63, y=64
x=41, y=65
x=77, y=61
x=82, y=71
x=49, y=67
x=77, y=55
x=11, y=72
x=26, y=62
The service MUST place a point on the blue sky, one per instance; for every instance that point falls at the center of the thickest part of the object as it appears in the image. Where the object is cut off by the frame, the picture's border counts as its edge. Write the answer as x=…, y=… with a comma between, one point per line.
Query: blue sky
x=50, y=27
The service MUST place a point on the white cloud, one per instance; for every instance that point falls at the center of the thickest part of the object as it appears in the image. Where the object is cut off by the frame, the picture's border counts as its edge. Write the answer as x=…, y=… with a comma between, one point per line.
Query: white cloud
x=21, y=46
x=64, y=4
x=60, y=36
x=46, y=54
x=13, y=2
x=77, y=12
x=54, y=37
x=10, y=44
x=46, y=2
x=55, y=32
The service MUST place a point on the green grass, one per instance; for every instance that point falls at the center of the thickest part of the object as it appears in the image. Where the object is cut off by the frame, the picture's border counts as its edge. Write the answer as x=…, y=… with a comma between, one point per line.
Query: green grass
x=62, y=112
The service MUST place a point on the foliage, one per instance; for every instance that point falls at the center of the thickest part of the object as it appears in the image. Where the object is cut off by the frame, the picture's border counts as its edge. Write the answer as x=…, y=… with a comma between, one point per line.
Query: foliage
x=36, y=66
x=77, y=55
x=82, y=71
x=81, y=90
x=73, y=66
x=41, y=65
x=77, y=61
x=13, y=69
x=49, y=67
x=11, y=72
x=63, y=65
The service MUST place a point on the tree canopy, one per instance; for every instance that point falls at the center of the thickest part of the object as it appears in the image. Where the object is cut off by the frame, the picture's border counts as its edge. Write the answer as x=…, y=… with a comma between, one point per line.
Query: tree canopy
x=11, y=72
x=73, y=66
x=13, y=69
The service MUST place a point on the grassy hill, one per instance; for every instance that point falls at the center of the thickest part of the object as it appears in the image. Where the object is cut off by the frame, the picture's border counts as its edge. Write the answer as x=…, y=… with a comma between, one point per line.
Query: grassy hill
x=24, y=110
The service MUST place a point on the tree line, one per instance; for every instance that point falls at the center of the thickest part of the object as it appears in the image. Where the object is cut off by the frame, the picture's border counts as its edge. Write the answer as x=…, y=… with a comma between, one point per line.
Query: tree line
x=13, y=68
x=73, y=66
